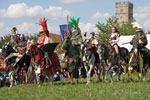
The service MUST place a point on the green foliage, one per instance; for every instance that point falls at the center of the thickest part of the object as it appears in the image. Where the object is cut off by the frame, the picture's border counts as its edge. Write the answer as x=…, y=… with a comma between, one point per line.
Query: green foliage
x=34, y=37
x=148, y=32
x=122, y=90
x=127, y=28
x=105, y=28
x=6, y=39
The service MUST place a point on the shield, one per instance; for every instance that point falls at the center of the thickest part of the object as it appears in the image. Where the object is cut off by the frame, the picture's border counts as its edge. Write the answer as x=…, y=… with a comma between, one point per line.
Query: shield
x=49, y=49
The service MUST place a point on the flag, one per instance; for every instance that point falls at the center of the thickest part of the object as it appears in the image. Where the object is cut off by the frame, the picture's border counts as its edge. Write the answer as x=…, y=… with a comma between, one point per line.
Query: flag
x=63, y=29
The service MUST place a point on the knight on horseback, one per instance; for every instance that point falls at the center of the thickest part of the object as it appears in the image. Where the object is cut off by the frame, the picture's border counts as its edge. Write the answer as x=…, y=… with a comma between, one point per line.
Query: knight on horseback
x=21, y=45
x=72, y=45
x=44, y=39
x=139, y=53
x=90, y=56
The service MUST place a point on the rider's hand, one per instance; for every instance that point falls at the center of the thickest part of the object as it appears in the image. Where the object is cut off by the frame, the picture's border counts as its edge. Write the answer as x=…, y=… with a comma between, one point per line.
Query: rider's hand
x=135, y=50
x=140, y=42
x=110, y=42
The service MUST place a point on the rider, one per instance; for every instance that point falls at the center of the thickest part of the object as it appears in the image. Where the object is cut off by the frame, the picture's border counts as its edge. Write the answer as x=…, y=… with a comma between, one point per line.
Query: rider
x=21, y=46
x=92, y=46
x=139, y=42
x=44, y=39
x=76, y=39
x=114, y=39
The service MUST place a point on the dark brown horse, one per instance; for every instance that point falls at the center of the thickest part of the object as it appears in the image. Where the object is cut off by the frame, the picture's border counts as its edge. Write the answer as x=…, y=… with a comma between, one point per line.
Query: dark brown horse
x=108, y=58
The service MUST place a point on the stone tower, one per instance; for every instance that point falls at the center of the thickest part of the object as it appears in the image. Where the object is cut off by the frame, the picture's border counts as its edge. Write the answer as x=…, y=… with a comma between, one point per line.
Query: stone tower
x=124, y=11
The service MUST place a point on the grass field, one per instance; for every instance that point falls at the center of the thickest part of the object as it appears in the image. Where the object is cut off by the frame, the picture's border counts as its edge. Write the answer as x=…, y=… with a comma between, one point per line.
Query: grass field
x=122, y=90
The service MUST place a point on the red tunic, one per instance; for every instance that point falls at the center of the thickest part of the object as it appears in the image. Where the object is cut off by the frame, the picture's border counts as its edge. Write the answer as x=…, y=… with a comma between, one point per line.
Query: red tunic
x=41, y=40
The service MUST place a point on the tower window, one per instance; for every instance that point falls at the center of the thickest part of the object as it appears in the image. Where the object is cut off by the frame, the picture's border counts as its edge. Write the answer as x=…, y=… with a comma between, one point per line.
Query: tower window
x=121, y=10
x=121, y=17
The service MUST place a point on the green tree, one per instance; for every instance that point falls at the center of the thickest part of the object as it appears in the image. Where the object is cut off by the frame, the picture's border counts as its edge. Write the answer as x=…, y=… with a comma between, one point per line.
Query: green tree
x=148, y=32
x=105, y=28
x=34, y=37
x=6, y=39
x=127, y=28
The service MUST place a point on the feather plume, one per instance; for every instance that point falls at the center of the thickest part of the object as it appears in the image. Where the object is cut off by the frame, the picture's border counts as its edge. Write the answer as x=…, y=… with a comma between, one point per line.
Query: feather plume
x=74, y=22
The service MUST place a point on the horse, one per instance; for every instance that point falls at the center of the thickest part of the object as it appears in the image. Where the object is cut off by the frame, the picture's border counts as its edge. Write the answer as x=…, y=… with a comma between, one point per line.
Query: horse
x=89, y=61
x=40, y=66
x=144, y=56
x=73, y=59
x=15, y=63
x=107, y=56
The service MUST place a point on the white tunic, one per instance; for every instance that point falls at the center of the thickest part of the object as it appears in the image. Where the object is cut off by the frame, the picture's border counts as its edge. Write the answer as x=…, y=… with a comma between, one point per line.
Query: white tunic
x=114, y=38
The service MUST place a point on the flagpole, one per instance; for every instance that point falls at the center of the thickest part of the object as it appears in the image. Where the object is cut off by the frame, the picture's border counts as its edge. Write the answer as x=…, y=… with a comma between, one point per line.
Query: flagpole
x=67, y=26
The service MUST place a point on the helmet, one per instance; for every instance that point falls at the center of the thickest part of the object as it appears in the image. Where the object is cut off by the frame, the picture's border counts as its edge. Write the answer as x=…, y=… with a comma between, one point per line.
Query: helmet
x=139, y=30
x=21, y=35
x=41, y=30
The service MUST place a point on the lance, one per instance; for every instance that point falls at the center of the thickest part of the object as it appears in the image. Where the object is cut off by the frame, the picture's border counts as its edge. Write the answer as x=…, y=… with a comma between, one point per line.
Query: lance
x=67, y=27
x=125, y=43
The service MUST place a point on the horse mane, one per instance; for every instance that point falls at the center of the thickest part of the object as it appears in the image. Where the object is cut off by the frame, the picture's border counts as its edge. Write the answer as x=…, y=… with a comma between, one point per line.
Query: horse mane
x=8, y=49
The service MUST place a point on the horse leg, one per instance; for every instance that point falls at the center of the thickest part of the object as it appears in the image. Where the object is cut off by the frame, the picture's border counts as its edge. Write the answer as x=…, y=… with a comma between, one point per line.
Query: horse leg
x=111, y=74
x=99, y=70
x=89, y=74
x=119, y=73
x=104, y=71
x=71, y=78
x=11, y=79
x=130, y=75
x=144, y=72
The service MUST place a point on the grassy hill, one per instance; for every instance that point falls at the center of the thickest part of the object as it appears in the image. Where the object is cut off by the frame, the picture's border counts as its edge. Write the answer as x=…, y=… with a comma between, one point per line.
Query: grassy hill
x=123, y=90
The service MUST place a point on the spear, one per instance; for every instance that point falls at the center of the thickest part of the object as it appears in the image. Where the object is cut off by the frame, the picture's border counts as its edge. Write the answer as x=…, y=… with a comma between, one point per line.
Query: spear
x=67, y=27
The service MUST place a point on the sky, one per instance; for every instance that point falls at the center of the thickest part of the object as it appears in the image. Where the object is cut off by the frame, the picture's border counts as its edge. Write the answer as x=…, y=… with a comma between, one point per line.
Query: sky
x=25, y=14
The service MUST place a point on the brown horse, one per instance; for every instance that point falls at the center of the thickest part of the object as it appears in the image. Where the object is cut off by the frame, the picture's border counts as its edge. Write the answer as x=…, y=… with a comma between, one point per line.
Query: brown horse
x=73, y=59
x=108, y=58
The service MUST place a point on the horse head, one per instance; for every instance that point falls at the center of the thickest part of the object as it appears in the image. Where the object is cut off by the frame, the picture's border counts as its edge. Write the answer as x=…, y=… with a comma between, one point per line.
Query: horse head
x=101, y=50
x=7, y=49
x=31, y=48
x=66, y=44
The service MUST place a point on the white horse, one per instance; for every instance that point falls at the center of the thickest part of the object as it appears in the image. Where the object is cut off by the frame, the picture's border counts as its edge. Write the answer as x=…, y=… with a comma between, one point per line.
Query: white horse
x=89, y=61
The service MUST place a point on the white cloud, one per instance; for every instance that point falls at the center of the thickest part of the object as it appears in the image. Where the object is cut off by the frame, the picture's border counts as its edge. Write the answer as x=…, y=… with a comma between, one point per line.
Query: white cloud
x=99, y=15
x=1, y=25
x=88, y=27
x=142, y=15
x=20, y=10
x=28, y=29
x=74, y=1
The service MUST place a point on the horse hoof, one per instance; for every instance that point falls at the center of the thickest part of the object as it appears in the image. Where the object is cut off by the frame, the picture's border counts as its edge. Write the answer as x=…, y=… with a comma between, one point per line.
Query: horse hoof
x=88, y=83
x=100, y=80
x=111, y=83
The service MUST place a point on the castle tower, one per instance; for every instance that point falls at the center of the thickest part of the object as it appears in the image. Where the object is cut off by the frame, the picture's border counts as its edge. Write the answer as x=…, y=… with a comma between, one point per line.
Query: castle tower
x=124, y=11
